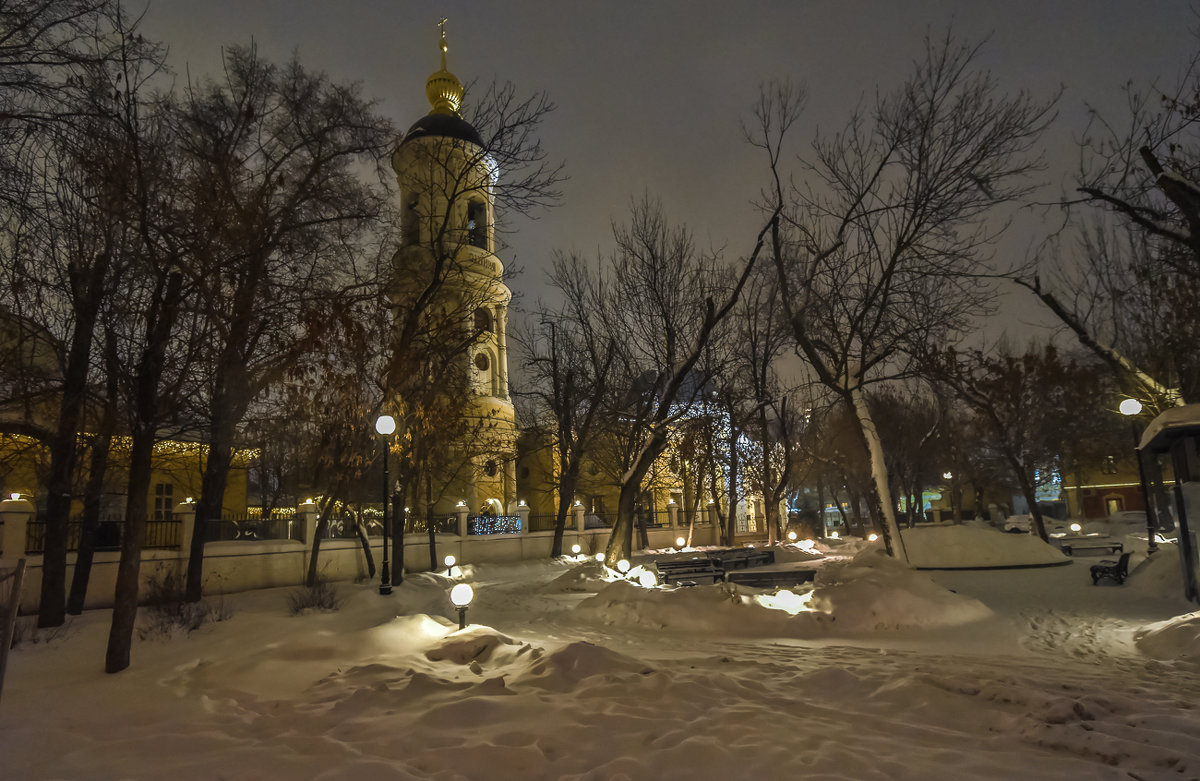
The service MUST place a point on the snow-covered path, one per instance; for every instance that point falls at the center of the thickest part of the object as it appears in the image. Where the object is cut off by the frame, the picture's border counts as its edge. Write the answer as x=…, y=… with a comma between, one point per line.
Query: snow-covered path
x=550, y=683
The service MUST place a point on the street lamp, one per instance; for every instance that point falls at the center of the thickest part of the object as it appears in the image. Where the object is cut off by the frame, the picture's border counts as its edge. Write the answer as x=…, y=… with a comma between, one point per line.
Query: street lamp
x=385, y=426
x=449, y=561
x=1129, y=408
x=461, y=596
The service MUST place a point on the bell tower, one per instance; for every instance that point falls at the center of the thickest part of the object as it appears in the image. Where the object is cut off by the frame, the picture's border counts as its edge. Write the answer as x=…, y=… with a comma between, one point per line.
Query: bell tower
x=447, y=184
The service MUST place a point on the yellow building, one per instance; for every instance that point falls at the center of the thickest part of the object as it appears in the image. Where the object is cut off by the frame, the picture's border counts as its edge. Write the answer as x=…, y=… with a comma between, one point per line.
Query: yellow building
x=447, y=184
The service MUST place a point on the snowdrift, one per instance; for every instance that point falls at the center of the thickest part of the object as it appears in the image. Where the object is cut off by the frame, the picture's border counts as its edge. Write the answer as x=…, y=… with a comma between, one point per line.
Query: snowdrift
x=871, y=592
x=969, y=546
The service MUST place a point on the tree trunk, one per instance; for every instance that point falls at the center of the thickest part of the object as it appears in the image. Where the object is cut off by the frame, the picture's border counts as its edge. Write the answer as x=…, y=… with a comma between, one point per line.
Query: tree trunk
x=880, y=499
x=364, y=541
x=566, y=494
x=160, y=322
x=322, y=528
x=228, y=406
x=620, y=542
x=1029, y=491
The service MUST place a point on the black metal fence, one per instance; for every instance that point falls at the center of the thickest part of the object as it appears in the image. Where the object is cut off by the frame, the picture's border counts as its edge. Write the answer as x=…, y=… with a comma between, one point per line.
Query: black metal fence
x=493, y=524
x=655, y=519
x=447, y=524
x=159, y=534
x=254, y=528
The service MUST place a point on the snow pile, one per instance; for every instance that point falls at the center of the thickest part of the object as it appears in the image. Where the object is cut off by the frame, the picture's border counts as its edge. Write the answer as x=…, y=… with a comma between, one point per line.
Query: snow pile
x=589, y=577
x=874, y=591
x=871, y=592
x=1175, y=638
x=1159, y=575
x=951, y=547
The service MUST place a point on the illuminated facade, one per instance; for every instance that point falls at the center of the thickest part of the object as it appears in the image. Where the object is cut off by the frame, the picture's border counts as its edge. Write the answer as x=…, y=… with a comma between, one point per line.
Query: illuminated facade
x=447, y=186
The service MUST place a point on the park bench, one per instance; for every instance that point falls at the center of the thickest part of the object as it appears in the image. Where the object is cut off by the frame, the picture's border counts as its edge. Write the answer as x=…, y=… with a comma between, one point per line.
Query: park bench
x=758, y=578
x=742, y=558
x=683, y=570
x=1117, y=570
x=1094, y=543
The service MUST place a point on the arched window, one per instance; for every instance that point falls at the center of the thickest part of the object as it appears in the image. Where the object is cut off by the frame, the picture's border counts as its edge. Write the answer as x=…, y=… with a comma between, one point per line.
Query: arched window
x=483, y=320
x=482, y=362
x=477, y=224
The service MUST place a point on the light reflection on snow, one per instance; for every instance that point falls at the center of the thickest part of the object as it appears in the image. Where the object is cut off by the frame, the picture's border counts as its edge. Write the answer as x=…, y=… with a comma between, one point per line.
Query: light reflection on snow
x=787, y=601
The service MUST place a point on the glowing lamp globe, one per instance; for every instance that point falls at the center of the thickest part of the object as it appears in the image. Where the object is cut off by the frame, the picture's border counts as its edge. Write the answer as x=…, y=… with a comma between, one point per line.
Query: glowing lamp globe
x=647, y=579
x=872, y=537
x=599, y=557
x=575, y=549
x=1130, y=407
x=680, y=542
x=623, y=566
x=449, y=561
x=461, y=595
x=792, y=536
x=1075, y=527
x=385, y=424
x=833, y=535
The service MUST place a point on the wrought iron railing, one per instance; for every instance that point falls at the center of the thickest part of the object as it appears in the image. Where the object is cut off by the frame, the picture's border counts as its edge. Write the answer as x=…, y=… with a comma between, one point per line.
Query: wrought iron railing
x=109, y=534
x=254, y=529
x=493, y=524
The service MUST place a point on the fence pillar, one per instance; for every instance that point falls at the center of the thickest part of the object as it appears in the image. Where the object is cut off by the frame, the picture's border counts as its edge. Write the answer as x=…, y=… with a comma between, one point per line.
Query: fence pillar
x=523, y=514
x=673, y=514
x=578, y=511
x=185, y=514
x=306, y=513
x=461, y=512
x=15, y=514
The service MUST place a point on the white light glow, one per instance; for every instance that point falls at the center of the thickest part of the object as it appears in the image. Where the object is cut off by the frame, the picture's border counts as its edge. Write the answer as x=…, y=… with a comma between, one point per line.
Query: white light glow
x=1130, y=407
x=461, y=595
x=833, y=535
x=792, y=536
x=1075, y=527
x=872, y=537
x=948, y=475
x=623, y=566
x=647, y=579
x=599, y=557
x=385, y=424
x=449, y=561
x=680, y=542
x=787, y=601
x=575, y=549
x=14, y=497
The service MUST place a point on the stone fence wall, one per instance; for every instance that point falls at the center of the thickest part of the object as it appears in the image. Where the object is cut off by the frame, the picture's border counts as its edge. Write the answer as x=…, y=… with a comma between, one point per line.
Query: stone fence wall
x=241, y=565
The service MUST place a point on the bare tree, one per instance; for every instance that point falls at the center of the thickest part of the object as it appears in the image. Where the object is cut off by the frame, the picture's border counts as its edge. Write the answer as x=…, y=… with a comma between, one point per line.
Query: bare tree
x=886, y=248
x=569, y=363
x=271, y=158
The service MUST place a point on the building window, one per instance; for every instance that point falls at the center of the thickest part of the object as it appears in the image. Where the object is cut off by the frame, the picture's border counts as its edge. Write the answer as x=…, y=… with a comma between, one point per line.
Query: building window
x=477, y=224
x=483, y=320
x=481, y=362
x=164, y=501
x=1110, y=465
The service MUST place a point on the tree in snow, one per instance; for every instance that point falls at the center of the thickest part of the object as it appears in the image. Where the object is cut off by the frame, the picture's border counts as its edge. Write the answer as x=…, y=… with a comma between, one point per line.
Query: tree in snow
x=885, y=249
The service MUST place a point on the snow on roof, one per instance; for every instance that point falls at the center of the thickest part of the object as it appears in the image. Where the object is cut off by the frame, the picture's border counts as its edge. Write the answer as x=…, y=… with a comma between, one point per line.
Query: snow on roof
x=1170, y=424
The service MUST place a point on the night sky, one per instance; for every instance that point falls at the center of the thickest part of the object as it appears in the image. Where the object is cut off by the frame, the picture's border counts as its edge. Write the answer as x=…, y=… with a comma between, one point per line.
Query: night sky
x=650, y=95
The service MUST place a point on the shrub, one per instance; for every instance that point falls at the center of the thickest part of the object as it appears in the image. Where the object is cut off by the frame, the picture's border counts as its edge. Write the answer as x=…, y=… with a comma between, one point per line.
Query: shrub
x=167, y=612
x=319, y=596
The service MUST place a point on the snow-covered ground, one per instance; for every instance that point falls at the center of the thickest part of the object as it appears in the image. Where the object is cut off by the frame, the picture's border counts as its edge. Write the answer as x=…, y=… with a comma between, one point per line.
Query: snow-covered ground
x=879, y=672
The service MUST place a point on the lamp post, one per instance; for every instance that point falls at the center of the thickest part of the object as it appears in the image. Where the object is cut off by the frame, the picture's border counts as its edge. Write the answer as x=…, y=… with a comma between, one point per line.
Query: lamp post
x=385, y=425
x=460, y=597
x=1129, y=408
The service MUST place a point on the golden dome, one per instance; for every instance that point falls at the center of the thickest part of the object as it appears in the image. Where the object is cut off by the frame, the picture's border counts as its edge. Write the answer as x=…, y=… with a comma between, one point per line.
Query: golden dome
x=444, y=90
